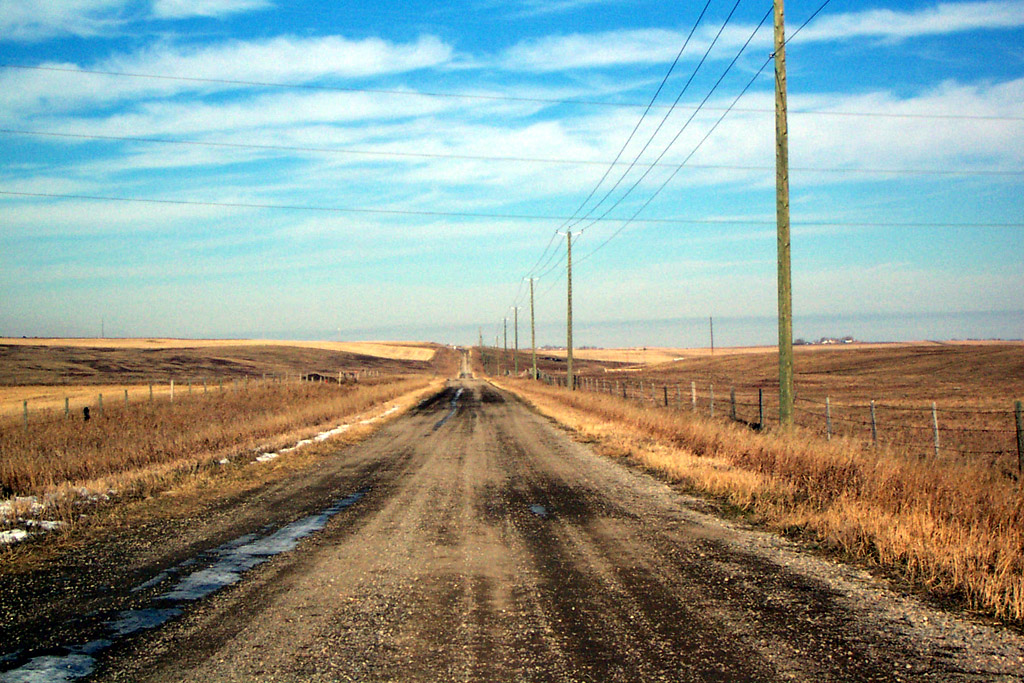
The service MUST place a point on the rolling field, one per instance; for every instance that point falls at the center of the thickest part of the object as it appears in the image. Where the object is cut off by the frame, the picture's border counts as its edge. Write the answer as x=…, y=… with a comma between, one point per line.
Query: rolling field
x=973, y=387
x=949, y=524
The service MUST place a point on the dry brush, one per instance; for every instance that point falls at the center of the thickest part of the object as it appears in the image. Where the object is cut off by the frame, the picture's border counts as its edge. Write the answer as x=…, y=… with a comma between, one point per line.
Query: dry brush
x=951, y=527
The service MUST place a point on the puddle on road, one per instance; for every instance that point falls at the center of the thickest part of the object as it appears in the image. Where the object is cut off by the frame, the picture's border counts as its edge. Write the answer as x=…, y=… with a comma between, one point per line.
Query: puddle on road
x=539, y=510
x=230, y=562
x=455, y=406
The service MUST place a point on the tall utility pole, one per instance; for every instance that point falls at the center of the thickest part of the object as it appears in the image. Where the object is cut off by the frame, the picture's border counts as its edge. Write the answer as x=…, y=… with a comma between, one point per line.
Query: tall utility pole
x=782, y=216
x=504, y=357
x=480, y=333
x=569, y=379
x=533, y=333
x=711, y=323
x=515, y=351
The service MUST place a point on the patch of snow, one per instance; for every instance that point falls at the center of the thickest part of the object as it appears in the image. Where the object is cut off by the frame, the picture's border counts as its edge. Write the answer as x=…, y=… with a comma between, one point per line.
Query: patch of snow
x=44, y=524
x=12, y=536
x=51, y=669
x=21, y=505
x=323, y=436
x=247, y=552
x=133, y=621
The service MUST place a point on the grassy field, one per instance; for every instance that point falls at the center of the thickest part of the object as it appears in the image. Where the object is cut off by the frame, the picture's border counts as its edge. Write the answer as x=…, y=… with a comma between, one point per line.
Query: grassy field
x=143, y=448
x=140, y=361
x=393, y=350
x=973, y=387
x=231, y=399
x=952, y=527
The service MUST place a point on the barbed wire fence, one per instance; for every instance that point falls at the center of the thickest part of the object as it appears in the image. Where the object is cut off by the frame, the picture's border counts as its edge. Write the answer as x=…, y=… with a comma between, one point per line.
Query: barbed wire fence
x=994, y=435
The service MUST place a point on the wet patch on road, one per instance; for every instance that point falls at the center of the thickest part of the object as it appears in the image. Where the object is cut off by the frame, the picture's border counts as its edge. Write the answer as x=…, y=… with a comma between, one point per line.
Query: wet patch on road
x=230, y=562
x=454, y=403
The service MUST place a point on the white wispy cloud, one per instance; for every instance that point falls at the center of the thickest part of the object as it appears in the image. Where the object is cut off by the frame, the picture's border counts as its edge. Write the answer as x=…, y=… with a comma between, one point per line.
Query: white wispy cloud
x=285, y=59
x=178, y=9
x=31, y=20
x=608, y=49
x=941, y=19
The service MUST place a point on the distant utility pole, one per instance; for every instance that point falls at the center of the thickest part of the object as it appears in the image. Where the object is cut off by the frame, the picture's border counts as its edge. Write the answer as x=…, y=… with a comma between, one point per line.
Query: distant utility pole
x=569, y=380
x=782, y=216
x=711, y=323
x=533, y=333
x=480, y=336
x=515, y=352
x=504, y=357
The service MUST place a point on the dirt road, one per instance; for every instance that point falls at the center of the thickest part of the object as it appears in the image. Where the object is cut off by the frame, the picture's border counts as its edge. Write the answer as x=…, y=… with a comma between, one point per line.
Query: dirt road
x=474, y=541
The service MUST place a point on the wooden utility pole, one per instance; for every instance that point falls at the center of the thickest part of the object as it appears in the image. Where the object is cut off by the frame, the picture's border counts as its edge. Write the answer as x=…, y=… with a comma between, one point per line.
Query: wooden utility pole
x=515, y=352
x=569, y=381
x=782, y=217
x=533, y=333
x=711, y=324
x=504, y=357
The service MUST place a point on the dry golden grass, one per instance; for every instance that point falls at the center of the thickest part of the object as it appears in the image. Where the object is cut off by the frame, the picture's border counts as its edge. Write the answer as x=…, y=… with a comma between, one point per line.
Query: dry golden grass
x=50, y=398
x=642, y=356
x=951, y=527
x=146, y=443
x=379, y=349
x=974, y=387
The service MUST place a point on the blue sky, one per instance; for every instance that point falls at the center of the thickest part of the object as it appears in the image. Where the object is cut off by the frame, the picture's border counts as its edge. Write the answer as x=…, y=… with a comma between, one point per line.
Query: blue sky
x=396, y=169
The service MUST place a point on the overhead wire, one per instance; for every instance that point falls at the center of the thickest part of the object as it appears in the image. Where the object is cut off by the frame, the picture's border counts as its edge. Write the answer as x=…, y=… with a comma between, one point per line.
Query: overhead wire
x=497, y=98
x=688, y=121
x=541, y=260
x=497, y=158
x=668, y=113
x=658, y=191
x=604, y=215
x=508, y=216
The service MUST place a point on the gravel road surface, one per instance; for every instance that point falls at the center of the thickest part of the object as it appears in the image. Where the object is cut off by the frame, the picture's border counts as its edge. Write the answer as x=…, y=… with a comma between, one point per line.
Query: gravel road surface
x=475, y=541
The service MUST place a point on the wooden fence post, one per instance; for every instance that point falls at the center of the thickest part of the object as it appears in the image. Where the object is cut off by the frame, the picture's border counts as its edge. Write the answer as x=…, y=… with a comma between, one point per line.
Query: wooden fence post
x=828, y=418
x=126, y=399
x=67, y=407
x=935, y=427
x=666, y=395
x=1020, y=437
x=732, y=399
x=693, y=395
x=760, y=408
x=101, y=405
x=24, y=414
x=711, y=395
x=150, y=392
x=874, y=425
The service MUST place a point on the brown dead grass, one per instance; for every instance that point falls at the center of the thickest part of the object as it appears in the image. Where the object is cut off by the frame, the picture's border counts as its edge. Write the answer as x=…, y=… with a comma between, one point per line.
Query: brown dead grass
x=147, y=442
x=950, y=527
x=380, y=349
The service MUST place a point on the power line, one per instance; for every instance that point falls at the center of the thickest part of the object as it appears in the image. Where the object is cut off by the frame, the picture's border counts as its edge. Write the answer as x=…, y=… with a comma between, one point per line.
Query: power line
x=648, y=109
x=500, y=98
x=661, y=123
x=703, y=140
x=487, y=157
x=632, y=133
x=524, y=217
x=688, y=121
